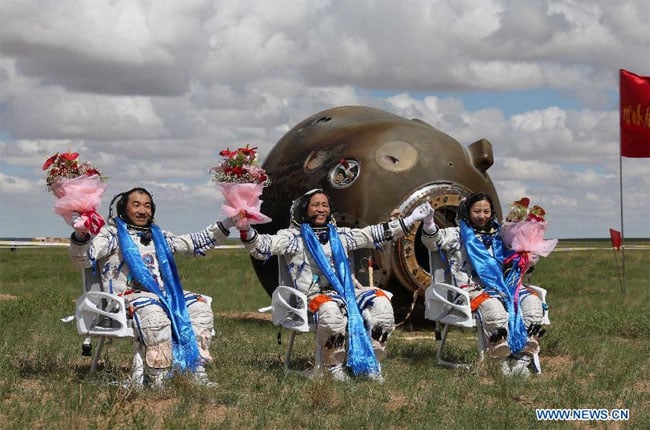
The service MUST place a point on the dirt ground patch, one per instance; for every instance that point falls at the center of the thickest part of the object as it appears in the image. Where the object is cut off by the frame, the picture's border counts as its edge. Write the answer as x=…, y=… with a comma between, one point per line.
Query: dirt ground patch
x=246, y=316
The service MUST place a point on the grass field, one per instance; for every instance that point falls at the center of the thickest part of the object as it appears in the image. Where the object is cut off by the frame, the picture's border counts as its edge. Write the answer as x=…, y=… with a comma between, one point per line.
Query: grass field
x=596, y=354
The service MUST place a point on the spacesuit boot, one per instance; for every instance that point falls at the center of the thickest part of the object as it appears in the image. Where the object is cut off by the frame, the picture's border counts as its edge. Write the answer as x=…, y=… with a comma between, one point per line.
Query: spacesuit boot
x=334, y=358
x=498, y=345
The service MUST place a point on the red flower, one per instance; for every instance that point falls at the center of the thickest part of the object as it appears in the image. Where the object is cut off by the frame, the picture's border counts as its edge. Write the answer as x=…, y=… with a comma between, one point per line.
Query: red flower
x=227, y=153
x=523, y=202
x=533, y=217
x=237, y=171
x=49, y=161
x=538, y=210
x=70, y=156
x=248, y=151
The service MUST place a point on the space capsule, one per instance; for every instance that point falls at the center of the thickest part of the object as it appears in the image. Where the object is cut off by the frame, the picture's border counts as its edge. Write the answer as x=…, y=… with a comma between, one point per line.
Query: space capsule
x=374, y=165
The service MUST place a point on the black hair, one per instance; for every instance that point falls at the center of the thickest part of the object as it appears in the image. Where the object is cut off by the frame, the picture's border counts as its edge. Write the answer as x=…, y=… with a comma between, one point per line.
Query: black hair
x=123, y=200
x=300, y=205
x=466, y=205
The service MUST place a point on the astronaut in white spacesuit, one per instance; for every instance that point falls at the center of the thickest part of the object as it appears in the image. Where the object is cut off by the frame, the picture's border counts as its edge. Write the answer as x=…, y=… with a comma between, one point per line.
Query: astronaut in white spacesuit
x=316, y=253
x=135, y=259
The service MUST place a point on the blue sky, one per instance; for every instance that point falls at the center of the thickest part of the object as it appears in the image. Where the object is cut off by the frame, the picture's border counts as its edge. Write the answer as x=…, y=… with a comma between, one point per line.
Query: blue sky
x=151, y=91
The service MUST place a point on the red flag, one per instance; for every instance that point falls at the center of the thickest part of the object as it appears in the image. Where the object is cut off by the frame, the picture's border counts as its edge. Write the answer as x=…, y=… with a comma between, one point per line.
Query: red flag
x=615, y=235
x=635, y=114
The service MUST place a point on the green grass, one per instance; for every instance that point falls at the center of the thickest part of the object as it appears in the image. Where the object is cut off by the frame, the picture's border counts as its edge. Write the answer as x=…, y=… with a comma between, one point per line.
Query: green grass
x=596, y=354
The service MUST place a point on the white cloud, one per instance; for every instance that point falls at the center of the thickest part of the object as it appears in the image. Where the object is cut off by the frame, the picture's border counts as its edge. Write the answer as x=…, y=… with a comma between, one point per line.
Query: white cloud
x=152, y=90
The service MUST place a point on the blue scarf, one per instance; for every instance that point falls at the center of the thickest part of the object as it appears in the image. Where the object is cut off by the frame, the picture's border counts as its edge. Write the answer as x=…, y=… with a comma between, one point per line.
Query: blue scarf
x=361, y=355
x=490, y=269
x=184, y=347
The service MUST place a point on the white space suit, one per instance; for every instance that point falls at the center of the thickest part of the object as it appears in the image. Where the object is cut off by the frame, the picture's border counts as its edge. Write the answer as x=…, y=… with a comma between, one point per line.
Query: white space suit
x=151, y=323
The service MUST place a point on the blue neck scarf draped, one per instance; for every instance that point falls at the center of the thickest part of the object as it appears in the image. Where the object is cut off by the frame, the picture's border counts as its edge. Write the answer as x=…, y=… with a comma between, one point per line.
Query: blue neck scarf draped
x=490, y=269
x=361, y=356
x=185, y=350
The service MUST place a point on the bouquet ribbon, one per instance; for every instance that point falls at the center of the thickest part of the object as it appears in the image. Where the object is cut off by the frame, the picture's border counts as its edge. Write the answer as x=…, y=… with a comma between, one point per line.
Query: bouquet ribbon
x=90, y=220
x=522, y=260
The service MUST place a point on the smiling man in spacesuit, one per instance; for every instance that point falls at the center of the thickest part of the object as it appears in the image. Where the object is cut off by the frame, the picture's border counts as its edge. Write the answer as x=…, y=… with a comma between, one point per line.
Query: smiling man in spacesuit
x=135, y=259
x=353, y=322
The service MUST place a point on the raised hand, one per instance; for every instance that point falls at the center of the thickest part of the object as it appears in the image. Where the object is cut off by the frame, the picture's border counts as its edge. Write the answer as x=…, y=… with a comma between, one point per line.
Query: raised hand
x=419, y=213
x=428, y=223
x=79, y=225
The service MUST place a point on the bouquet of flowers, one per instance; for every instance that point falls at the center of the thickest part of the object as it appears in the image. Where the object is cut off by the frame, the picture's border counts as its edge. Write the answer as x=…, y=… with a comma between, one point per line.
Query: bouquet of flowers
x=78, y=187
x=523, y=232
x=241, y=182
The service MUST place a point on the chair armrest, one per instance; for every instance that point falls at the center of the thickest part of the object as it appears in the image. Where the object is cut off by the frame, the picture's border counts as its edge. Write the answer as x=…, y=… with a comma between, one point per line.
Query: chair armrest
x=103, y=314
x=289, y=308
x=448, y=304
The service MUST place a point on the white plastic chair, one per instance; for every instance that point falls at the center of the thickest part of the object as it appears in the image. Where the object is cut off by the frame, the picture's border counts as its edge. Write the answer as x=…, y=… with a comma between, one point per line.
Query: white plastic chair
x=449, y=305
x=104, y=315
x=290, y=310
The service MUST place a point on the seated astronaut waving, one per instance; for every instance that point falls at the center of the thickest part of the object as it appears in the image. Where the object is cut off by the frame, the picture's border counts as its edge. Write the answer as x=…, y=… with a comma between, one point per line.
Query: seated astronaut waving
x=136, y=259
x=353, y=324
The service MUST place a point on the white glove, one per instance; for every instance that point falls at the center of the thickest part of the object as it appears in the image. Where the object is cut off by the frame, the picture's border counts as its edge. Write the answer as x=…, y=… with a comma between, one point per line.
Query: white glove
x=77, y=222
x=419, y=213
x=227, y=223
x=242, y=223
x=428, y=223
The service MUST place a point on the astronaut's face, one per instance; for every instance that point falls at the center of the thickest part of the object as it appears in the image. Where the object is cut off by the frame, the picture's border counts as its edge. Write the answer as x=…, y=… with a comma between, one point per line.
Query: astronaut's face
x=139, y=209
x=318, y=210
x=480, y=213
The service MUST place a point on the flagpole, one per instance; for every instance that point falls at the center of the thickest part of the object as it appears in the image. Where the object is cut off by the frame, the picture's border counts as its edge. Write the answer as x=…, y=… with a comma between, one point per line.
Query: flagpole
x=620, y=183
x=618, y=270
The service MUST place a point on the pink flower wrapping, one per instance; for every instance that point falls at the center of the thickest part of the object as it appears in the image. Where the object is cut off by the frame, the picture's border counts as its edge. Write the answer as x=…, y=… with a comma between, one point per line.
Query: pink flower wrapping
x=242, y=201
x=78, y=201
x=528, y=236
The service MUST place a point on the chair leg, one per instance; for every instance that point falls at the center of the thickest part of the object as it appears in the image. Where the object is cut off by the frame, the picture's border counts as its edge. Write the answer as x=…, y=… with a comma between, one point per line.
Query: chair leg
x=441, y=345
x=287, y=355
x=436, y=329
x=318, y=365
x=318, y=359
x=96, y=355
x=444, y=363
x=481, y=342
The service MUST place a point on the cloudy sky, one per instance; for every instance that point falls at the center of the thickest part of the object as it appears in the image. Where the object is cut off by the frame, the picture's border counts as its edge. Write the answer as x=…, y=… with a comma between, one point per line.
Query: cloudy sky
x=150, y=91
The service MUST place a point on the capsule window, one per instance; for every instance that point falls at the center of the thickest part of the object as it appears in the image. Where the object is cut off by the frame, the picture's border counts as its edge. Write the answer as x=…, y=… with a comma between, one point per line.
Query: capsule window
x=396, y=156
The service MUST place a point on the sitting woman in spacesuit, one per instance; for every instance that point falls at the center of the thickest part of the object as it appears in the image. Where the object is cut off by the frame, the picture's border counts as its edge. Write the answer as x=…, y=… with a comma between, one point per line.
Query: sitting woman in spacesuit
x=511, y=316
x=352, y=323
